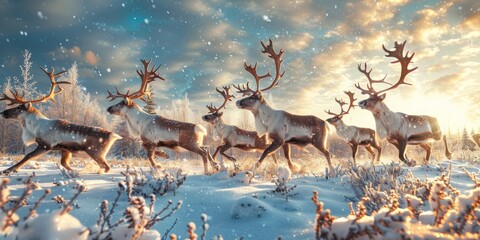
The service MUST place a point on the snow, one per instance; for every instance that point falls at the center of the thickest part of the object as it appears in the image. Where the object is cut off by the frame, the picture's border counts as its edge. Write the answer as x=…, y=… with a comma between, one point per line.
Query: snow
x=235, y=207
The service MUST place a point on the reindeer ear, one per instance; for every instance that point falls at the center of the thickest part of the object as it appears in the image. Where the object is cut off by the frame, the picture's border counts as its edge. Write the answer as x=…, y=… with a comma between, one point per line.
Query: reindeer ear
x=220, y=114
x=260, y=95
x=27, y=105
x=382, y=97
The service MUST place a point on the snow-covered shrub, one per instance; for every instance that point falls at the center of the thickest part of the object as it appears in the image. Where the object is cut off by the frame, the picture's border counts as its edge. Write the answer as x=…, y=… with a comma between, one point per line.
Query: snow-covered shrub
x=136, y=222
x=248, y=207
x=58, y=224
x=451, y=216
x=283, y=176
x=139, y=182
x=191, y=227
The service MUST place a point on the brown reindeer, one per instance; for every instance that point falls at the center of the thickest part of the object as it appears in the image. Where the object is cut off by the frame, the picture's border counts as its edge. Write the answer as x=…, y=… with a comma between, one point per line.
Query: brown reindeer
x=354, y=136
x=155, y=130
x=400, y=129
x=55, y=134
x=476, y=138
x=232, y=136
x=281, y=126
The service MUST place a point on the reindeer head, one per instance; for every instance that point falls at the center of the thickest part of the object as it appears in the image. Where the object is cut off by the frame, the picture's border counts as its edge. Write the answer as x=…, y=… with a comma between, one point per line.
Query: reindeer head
x=337, y=118
x=255, y=97
x=147, y=76
x=18, y=112
x=26, y=106
x=376, y=97
x=214, y=112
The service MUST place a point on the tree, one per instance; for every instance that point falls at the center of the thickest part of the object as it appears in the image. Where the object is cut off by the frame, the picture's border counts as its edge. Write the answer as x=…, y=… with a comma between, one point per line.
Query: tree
x=11, y=131
x=75, y=105
x=467, y=143
x=127, y=146
x=150, y=107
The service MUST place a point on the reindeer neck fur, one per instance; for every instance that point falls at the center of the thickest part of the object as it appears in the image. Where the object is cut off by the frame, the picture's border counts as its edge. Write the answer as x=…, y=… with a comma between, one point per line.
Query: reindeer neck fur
x=386, y=121
x=221, y=129
x=136, y=119
x=31, y=122
x=344, y=131
x=265, y=116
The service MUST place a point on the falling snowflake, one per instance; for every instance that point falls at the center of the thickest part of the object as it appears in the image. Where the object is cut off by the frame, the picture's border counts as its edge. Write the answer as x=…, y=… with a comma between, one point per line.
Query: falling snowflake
x=266, y=18
x=40, y=15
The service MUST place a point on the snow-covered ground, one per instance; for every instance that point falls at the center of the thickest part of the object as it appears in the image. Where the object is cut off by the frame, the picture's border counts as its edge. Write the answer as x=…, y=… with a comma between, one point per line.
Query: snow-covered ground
x=235, y=208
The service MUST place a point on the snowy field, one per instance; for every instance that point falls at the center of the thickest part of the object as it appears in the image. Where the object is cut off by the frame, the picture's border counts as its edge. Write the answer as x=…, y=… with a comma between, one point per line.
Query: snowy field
x=235, y=208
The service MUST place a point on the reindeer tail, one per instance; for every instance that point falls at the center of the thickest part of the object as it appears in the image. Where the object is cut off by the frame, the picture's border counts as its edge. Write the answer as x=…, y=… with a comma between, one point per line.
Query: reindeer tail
x=437, y=132
x=448, y=154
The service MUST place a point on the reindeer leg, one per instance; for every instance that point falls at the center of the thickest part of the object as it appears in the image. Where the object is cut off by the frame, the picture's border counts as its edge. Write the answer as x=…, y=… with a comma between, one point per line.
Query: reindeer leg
x=225, y=148
x=216, y=151
x=66, y=157
x=99, y=159
x=161, y=153
x=274, y=157
x=428, y=149
x=151, y=150
x=286, y=152
x=379, y=149
x=369, y=148
x=354, y=147
x=402, y=147
x=276, y=144
x=40, y=150
x=321, y=144
x=205, y=157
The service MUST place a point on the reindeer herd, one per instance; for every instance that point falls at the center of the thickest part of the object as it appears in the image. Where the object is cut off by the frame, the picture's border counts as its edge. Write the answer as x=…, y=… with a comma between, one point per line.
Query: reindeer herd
x=274, y=129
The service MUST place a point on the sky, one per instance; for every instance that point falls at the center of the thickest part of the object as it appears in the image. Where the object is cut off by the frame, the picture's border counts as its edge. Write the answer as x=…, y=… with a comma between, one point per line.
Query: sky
x=203, y=44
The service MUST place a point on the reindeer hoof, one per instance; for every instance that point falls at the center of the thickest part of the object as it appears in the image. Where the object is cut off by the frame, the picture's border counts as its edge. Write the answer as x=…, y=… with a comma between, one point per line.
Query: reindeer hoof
x=411, y=163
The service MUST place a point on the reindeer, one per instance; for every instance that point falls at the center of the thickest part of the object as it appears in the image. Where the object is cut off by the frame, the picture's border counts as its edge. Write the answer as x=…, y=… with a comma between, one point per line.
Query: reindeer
x=155, y=130
x=55, y=134
x=354, y=136
x=232, y=136
x=399, y=128
x=476, y=138
x=282, y=127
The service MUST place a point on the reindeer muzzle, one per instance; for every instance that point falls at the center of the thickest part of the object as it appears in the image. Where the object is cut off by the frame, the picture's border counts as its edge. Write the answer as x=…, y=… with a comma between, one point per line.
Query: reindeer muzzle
x=239, y=103
x=362, y=104
x=4, y=114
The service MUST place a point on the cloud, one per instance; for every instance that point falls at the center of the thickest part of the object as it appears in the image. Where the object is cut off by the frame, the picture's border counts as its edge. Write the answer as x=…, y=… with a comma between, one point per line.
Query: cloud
x=298, y=42
x=431, y=24
x=91, y=58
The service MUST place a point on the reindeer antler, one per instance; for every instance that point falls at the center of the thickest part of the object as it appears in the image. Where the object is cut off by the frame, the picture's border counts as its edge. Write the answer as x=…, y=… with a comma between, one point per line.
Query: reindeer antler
x=371, y=81
x=146, y=75
x=226, y=97
x=19, y=98
x=404, y=62
x=277, y=58
x=342, y=103
x=244, y=89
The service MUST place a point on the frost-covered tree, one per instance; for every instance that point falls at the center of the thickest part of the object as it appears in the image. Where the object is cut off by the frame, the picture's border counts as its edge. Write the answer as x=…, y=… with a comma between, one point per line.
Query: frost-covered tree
x=181, y=109
x=11, y=130
x=127, y=146
x=467, y=143
x=150, y=106
x=75, y=105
